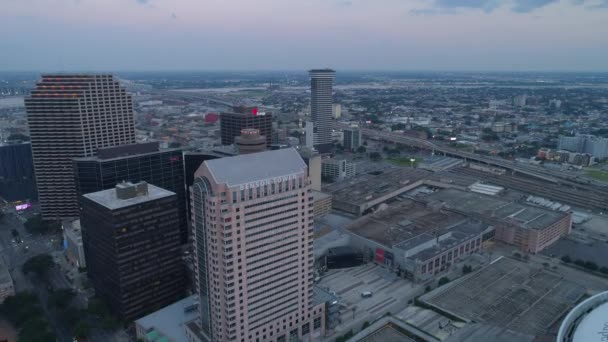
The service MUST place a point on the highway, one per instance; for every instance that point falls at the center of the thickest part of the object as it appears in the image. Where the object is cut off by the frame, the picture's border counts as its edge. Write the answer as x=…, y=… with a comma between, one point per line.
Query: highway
x=556, y=177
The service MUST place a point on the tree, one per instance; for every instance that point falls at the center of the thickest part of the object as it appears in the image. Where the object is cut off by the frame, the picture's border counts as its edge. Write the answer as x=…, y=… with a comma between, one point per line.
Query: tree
x=467, y=269
x=590, y=265
x=427, y=289
x=61, y=298
x=98, y=308
x=365, y=325
x=579, y=262
x=566, y=259
x=604, y=270
x=375, y=156
x=443, y=281
x=81, y=330
x=36, y=225
x=361, y=149
x=39, y=264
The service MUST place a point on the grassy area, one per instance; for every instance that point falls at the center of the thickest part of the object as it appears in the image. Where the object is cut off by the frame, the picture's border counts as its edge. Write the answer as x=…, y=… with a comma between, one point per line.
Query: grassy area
x=402, y=161
x=597, y=174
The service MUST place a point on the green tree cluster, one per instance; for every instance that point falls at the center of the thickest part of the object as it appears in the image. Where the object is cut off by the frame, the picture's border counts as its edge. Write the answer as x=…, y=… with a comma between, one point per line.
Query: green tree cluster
x=24, y=312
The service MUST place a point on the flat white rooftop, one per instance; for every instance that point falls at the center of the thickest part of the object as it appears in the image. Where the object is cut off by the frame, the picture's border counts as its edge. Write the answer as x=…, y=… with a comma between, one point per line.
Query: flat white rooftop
x=108, y=198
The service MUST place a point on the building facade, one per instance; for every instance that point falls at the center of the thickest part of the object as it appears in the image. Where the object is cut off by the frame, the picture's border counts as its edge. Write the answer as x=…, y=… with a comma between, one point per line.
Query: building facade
x=352, y=139
x=73, y=246
x=595, y=146
x=321, y=101
x=250, y=141
x=17, y=181
x=231, y=124
x=134, y=163
x=253, y=223
x=71, y=116
x=337, y=169
x=132, y=247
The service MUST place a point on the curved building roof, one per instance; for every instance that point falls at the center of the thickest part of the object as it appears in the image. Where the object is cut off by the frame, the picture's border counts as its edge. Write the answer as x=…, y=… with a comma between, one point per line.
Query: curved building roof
x=587, y=322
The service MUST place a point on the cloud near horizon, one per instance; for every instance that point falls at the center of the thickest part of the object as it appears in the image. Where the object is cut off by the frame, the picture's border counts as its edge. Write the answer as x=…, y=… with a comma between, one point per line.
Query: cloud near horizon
x=488, y=6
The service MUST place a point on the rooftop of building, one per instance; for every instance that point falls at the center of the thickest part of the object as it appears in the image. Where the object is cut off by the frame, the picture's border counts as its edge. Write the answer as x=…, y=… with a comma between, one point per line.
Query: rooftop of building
x=392, y=329
x=319, y=196
x=326, y=70
x=109, y=198
x=320, y=295
x=169, y=321
x=493, y=207
x=127, y=151
x=255, y=167
x=72, y=229
x=508, y=294
x=406, y=223
x=367, y=187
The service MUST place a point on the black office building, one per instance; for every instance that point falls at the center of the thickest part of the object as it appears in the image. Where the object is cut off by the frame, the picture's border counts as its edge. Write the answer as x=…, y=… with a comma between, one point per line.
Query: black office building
x=231, y=124
x=17, y=180
x=134, y=163
x=132, y=246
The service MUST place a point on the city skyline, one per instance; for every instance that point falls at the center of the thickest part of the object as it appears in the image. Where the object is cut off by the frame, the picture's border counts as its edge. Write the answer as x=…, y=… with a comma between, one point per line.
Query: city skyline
x=482, y=35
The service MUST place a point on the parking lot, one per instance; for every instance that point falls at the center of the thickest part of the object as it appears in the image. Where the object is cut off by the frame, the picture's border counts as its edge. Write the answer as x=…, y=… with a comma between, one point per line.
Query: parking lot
x=390, y=293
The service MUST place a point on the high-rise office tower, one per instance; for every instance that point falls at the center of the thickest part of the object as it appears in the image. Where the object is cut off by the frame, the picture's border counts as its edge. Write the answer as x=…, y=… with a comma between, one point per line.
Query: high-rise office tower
x=321, y=100
x=253, y=223
x=132, y=248
x=17, y=180
x=134, y=163
x=72, y=116
x=352, y=138
x=231, y=124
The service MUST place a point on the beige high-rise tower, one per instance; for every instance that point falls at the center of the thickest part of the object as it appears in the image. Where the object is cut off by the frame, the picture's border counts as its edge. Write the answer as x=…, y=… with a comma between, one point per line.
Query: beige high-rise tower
x=253, y=223
x=71, y=116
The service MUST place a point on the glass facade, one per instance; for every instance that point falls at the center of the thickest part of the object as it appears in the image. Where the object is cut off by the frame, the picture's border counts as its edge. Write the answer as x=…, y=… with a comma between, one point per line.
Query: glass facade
x=164, y=169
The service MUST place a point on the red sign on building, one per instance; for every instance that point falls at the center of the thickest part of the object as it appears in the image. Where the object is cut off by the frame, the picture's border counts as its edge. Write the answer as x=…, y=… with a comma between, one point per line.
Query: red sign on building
x=379, y=255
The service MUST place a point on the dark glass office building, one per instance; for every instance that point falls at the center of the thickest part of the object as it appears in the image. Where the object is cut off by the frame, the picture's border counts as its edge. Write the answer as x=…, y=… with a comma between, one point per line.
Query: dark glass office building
x=132, y=246
x=134, y=163
x=231, y=124
x=17, y=180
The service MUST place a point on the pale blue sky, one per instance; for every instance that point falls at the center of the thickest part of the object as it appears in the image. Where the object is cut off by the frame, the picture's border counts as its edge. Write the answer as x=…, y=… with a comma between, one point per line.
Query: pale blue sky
x=117, y=35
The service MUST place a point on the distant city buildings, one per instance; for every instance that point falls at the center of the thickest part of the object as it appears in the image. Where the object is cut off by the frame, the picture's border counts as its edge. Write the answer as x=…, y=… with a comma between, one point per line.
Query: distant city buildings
x=336, y=110
x=17, y=180
x=573, y=158
x=231, y=124
x=321, y=101
x=134, y=163
x=352, y=138
x=595, y=146
x=253, y=221
x=132, y=245
x=71, y=116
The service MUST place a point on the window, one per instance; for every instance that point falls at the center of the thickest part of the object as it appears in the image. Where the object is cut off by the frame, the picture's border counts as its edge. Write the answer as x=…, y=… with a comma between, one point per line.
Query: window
x=305, y=329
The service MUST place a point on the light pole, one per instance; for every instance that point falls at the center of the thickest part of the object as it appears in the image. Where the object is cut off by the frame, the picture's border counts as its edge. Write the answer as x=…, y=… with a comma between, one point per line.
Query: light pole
x=412, y=160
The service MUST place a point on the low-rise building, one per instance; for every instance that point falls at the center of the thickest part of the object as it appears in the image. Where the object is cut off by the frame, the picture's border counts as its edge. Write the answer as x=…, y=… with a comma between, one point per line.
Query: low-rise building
x=364, y=192
x=529, y=227
x=168, y=323
x=416, y=239
x=72, y=239
x=337, y=169
x=322, y=203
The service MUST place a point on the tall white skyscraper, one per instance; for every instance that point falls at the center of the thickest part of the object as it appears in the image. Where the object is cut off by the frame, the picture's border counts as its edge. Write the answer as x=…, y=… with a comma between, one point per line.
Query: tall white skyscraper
x=71, y=116
x=253, y=223
x=321, y=100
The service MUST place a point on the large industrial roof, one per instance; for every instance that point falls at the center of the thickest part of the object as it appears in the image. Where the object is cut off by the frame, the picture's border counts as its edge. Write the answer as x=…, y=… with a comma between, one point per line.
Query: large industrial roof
x=256, y=166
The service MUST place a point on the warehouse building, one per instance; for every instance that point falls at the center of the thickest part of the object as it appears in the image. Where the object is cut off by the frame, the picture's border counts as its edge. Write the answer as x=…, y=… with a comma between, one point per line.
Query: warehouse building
x=363, y=193
x=530, y=227
x=416, y=239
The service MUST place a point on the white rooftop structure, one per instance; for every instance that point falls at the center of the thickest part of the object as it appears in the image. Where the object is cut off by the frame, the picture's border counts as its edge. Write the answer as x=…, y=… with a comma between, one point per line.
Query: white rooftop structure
x=254, y=167
x=110, y=198
x=486, y=189
x=168, y=323
x=587, y=322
